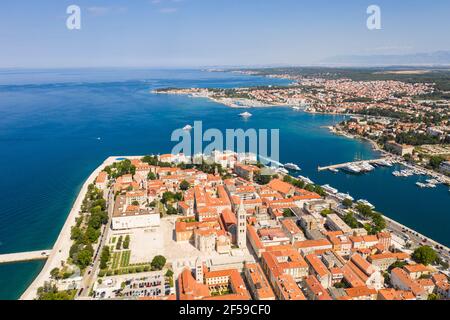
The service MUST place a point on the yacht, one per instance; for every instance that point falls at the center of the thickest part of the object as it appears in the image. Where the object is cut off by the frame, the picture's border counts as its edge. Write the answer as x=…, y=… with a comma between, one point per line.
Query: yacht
x=420, y=184
x=329, y=189
x=306, y=180
x=366, y=203
x=352, y=168
x=365, y=166
x=283, y=170
x=292, y=166
x=187, y=128
x=334, y=170
x=245, y=115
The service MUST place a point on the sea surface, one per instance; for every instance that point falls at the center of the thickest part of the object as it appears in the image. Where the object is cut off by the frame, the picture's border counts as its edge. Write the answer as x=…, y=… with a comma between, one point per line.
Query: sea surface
x=57, y=126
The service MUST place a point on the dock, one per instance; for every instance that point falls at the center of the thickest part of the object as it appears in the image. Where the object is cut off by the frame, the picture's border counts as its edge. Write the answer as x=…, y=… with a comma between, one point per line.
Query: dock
x=24, y=256
x=342, y=165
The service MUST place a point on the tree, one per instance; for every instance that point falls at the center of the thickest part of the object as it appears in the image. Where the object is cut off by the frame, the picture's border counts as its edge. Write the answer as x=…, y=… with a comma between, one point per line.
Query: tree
x=184, y=185
x=104, y=258
x=425, y=255
x=119, y=243
x=55, y=273
x=151, y=176
x=351, y=221
x=158, y=262
x=171, y=210
x=287, y=213
x=169, y=273
x=135, y=203
x=347, y=203
x=326, y=212
x=126, y=242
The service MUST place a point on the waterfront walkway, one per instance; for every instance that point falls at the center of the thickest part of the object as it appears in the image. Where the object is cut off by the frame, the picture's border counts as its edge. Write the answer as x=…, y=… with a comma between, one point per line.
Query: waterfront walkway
x=342, y=165
x=60, y=251
x=24, y=256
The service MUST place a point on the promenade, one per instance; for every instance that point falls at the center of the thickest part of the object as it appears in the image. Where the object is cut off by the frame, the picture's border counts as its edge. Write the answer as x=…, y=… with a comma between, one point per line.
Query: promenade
x=24, y=256
x=60, y=251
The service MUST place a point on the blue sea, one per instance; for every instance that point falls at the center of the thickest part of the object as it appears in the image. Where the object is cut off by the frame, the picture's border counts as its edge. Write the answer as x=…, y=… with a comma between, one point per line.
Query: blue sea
x=50, y=122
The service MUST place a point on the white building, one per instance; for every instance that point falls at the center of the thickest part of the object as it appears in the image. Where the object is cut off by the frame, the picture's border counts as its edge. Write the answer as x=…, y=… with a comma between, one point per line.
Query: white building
x=130, y=217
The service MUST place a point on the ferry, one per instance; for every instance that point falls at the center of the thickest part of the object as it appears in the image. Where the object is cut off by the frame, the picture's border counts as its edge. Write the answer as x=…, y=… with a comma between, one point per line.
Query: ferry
x=245, y=115
x=292, y=166
x=329, y=189
x=366, y=203
x=187, y=128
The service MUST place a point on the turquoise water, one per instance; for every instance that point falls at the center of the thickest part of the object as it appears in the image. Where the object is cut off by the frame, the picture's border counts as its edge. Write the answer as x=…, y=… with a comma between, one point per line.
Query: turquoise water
x=50, y=122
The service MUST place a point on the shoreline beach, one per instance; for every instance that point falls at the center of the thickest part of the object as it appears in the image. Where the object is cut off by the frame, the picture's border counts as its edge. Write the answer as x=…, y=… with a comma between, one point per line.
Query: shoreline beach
x=60, y=251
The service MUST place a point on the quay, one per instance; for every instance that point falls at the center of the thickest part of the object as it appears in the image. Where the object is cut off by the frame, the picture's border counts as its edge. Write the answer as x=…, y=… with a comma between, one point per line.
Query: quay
x=342, y=165
x=24, y=256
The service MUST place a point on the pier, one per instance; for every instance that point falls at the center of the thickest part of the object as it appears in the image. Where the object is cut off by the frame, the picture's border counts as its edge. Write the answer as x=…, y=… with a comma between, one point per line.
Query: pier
x=342, y=165
x=24, y=256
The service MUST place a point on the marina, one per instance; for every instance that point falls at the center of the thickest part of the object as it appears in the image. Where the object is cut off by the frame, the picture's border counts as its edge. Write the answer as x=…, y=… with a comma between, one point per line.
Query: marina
x=360, y=166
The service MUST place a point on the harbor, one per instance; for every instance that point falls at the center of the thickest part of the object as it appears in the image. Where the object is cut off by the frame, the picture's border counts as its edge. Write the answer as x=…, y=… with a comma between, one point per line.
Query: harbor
x=360, y=166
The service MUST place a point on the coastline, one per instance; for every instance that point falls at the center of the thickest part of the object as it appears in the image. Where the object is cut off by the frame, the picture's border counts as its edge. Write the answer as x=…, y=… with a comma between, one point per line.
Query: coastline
x=61, y=248
x=62, y=245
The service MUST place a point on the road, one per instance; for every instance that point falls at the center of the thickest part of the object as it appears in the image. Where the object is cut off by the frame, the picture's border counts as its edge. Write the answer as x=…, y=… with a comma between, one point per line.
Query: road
x=91, y=272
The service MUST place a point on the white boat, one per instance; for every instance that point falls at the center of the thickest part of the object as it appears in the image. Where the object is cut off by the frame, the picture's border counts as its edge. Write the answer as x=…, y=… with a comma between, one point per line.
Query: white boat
x=283, y=170
x=296, y=108
x=329, y=189
x=352, y=168
x=366, y=203
x=187, y=128
x=365, y=166
x=292, y=166
x=420, y=184
x=343, y=196
x=334, y=170
x=306, y=180
x=245, y=115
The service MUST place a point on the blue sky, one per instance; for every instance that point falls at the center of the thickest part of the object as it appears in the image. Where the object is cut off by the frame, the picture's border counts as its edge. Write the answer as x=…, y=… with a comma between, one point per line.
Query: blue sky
x=175, y=33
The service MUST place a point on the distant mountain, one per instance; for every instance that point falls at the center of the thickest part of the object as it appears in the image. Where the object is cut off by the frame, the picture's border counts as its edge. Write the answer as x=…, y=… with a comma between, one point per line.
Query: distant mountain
x=432, y=58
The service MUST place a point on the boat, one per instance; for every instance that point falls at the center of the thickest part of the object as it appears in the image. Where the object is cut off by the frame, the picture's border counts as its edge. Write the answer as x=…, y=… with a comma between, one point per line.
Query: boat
x=343, y=196
x=283, y=170
x=296, y=108
x=292, y=166
x=334, y=170
x=352, y=168
x=329, y=189
x=245, y=114
x=306, y=180
x=420, y=184
x=187, y=128
x=366, y=203
x=365, y=166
